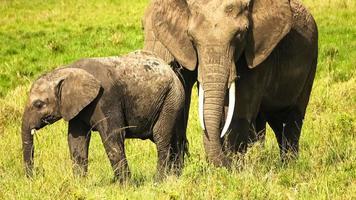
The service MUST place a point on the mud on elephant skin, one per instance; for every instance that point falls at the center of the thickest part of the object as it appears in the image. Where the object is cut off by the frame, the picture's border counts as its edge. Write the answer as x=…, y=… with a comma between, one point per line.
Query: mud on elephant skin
x=271, y=45
x=133, y=96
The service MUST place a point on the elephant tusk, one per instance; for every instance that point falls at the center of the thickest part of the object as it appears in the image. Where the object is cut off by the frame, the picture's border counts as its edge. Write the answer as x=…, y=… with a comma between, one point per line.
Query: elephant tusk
x=230, y=111
x=33, y=131
x=201, y=106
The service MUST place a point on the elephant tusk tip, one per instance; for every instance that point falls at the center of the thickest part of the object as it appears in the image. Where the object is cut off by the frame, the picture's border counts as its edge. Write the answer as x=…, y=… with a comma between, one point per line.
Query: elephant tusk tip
x=33, y=131
x=222, y=134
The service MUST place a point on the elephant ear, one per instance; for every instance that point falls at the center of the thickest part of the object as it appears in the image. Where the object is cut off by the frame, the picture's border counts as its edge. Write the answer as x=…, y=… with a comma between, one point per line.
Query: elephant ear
x=170, y=23
x=271, y=21
x=151, y=42
x=76, y=90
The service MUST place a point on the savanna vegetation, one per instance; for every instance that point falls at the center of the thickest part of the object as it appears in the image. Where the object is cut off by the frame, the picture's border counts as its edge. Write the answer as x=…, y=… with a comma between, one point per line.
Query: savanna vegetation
x=36, y=36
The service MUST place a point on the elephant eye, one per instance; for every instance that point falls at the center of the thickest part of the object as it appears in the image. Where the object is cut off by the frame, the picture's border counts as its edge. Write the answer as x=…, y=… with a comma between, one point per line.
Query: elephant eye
x=229, y=8
x=38, y=104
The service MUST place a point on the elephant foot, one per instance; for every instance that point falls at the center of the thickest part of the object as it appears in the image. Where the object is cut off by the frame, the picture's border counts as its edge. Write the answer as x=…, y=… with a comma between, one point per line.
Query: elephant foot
x=162, y=174
x=167, y=170
x=289, y=155
x=80, y=171
x=122, y=172
x=122, y=177
x=159, y=177
x=221, y=161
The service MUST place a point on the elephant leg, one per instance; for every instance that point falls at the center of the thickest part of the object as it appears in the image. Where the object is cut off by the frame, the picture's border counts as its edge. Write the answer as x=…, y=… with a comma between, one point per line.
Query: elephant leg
x=287, y=128
x=238, y=139
x=182, y=121
x=258, y=129
x=162, y=140
x=78, y=141
x=178, y=146
x=179, y=141
x=244, y=132
x=113, y=140
x=166, y=137
x=247, y=125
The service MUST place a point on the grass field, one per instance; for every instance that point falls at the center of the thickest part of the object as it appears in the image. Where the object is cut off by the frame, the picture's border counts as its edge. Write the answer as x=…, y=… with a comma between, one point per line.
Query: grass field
x=36, y=36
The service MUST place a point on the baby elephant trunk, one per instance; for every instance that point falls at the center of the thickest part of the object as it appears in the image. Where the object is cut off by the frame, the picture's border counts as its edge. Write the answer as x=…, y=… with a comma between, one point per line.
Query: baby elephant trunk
x=27, y=144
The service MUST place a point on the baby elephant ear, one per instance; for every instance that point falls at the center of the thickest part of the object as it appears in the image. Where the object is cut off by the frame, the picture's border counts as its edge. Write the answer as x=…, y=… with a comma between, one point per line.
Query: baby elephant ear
x=77, y=90
x=271, y=21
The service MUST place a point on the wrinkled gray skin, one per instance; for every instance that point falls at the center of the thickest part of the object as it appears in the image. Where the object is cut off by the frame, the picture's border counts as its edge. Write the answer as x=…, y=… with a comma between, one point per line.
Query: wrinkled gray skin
x=133, y=96
x=268, y=48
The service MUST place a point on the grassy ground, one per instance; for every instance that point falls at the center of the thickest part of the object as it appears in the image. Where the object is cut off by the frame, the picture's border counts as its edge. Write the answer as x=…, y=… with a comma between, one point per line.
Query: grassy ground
x=37, y=36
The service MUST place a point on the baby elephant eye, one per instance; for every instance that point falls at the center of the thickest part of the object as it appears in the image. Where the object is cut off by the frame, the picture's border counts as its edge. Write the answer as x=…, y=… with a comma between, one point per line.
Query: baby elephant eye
x=38, y=104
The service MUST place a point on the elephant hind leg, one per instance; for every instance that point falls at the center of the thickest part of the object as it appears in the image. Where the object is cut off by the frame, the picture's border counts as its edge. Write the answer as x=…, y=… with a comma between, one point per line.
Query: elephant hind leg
x=287, y=124
x=168, y=140
x=287, y=127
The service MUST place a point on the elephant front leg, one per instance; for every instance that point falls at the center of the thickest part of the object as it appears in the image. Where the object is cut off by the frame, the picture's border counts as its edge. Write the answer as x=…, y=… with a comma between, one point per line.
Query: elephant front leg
x=113, y=141
x=258, y=129
x=237, y=139
x=78, y=140
x=248, y=124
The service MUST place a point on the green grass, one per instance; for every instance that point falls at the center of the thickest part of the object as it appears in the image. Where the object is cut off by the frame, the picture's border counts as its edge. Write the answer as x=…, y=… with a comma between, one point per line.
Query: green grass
x=36, y=37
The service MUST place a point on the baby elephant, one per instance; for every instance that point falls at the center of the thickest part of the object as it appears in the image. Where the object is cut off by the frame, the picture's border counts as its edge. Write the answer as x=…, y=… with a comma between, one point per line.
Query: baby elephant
x=133, y=96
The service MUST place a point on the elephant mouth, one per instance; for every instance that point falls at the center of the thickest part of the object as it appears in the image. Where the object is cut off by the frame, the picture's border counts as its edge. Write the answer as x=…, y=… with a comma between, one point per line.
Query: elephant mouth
x=50, y=119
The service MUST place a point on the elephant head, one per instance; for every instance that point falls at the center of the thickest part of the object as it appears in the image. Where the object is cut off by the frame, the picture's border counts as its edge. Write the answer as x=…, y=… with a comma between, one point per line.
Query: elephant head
x=213, y=34
x=62, y=93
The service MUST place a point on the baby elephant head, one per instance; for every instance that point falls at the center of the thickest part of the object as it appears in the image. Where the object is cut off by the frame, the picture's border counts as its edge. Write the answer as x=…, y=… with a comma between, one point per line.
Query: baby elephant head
x=62, y=93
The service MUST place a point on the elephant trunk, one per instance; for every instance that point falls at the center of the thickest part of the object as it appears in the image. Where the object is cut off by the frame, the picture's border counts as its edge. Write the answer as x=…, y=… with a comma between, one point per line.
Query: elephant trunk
x=27, y=144
x=214, y=94
x=216, y=73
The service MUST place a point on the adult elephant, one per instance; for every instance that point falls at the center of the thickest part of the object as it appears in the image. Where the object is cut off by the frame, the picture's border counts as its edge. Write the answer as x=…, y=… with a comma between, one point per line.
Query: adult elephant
x=266, y=49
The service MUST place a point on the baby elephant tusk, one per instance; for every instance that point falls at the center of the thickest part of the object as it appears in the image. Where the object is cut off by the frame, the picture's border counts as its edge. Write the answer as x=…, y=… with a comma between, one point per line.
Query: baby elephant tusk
x=33, y=131
x=230, y=111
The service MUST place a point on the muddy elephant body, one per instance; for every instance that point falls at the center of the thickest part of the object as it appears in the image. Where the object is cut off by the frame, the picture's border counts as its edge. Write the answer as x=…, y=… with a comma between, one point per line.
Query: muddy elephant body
x=133, y=96
x=264, y=52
